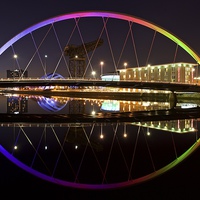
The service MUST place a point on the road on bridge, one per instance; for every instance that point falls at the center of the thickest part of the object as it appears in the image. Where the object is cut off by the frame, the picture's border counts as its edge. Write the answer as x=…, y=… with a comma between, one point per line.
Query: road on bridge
x=177, y=87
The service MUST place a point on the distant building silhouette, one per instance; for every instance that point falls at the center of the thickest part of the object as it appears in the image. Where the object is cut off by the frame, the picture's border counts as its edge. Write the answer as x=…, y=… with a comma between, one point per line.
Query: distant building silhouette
x=17, y=73
x=17, y=105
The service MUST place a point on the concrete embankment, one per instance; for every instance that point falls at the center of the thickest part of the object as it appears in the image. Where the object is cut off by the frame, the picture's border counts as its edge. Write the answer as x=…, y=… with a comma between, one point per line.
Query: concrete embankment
x=128, y=96
x=188, y=98
x=172, y=98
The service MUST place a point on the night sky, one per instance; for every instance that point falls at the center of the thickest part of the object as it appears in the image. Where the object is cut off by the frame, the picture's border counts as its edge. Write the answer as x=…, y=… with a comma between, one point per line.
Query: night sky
x=181, y=19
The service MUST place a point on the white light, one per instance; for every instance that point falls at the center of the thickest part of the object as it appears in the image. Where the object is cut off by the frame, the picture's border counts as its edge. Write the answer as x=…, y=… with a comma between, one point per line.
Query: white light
x=101, y=63
x=125, y=135
x=125, y=64
x=101, y=136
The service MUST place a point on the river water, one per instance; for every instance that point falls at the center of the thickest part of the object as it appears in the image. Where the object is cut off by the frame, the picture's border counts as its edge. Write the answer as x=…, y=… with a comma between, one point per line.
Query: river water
x=96, y=154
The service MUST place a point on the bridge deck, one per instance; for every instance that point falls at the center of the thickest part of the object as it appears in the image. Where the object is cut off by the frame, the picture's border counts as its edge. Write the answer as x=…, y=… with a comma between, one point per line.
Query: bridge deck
x=178, y=87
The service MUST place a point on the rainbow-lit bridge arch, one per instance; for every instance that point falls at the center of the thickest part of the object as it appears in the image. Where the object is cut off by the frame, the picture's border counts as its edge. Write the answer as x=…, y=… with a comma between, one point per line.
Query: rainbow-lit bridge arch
x=114, y=15
x=100, y=186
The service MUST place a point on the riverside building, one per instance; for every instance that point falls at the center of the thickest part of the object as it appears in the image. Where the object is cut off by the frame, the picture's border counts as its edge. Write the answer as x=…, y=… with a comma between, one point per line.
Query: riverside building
x=180, y=72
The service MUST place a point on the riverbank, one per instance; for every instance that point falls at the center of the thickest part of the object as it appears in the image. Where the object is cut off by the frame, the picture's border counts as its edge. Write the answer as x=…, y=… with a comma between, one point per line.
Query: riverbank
x=128, y=96
x=172, y=98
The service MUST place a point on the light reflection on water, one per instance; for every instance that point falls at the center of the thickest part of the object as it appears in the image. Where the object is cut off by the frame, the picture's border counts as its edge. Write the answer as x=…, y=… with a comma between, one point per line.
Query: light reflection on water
x=40, y=104
x=99, y=154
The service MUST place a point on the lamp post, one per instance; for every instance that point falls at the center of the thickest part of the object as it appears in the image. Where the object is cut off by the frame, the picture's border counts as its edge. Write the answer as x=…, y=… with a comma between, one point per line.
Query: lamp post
x=14, y=66
x=101, y=64
x=125, y=132
x=101, y=133
x=93, y=74
x=45, y=65
x=15, y=59
x=125, y=65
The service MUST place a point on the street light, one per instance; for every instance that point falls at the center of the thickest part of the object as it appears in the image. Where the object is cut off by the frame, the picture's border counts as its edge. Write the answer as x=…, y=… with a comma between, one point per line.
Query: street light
x=14, y=65
x=101, y=63
x=93, y=73
x=125, y=133
x=125, y=65
x=101, y=134
x=15, y=58
x=45, y=65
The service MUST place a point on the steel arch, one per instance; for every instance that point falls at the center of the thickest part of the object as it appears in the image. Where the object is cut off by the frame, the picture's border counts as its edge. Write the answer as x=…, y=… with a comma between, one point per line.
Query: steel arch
x=101, y=186
x=114, y=15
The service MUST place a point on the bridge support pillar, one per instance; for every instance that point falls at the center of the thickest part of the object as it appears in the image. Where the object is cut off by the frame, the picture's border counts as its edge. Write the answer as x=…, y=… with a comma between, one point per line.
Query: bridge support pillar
x=172, y=99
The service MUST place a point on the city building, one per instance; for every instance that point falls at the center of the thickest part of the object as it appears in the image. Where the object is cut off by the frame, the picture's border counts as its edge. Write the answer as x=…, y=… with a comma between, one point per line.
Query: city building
x=180, y=72
x=110, y=77
x=131, y=106
x=175, y=126
x=17, y=73
x=17, y=104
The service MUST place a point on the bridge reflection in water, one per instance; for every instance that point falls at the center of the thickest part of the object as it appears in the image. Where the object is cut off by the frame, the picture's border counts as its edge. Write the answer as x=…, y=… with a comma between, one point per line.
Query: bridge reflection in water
x=96, y=143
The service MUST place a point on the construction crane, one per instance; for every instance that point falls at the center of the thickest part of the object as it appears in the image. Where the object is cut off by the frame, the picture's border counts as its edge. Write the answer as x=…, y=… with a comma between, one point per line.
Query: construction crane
x=77, y=57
